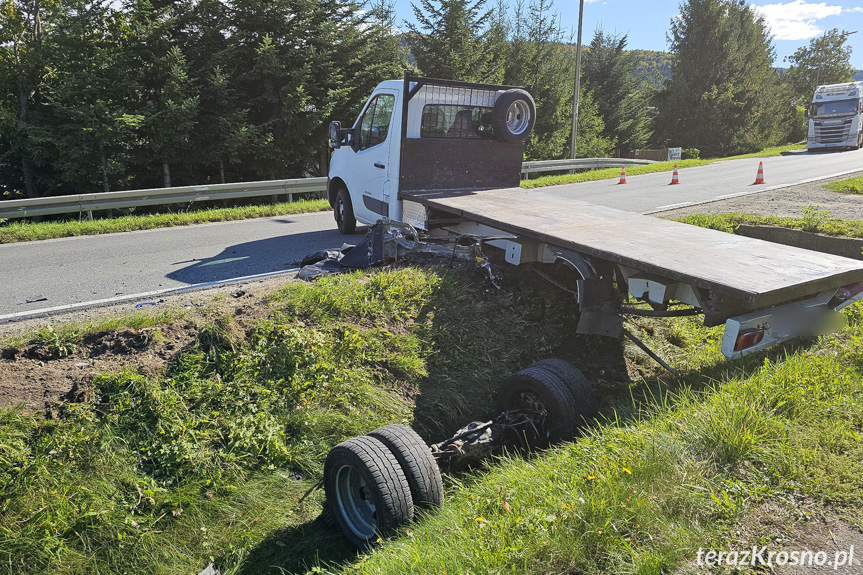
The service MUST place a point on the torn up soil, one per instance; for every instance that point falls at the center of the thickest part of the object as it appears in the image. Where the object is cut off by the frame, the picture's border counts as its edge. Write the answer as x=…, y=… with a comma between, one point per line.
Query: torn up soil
x=35, y=376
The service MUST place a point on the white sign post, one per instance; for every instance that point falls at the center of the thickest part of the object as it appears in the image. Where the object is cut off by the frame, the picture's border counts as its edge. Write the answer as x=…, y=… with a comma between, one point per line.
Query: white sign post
x=674, y=154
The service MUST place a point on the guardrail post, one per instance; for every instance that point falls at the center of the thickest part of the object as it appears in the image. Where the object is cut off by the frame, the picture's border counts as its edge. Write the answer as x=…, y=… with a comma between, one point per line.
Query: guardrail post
x=90, y=215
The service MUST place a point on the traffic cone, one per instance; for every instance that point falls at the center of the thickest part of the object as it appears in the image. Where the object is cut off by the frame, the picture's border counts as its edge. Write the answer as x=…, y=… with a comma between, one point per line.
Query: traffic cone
x=759, y=178
x=675, y=179
x=622, y=175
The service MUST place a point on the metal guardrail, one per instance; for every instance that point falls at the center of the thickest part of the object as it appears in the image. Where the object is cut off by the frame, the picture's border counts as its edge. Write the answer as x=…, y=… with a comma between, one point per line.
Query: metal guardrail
x=580, y=164
x=87, y=203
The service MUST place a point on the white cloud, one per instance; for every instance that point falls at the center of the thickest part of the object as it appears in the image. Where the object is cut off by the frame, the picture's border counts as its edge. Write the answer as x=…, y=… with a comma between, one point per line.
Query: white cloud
x=797, y=20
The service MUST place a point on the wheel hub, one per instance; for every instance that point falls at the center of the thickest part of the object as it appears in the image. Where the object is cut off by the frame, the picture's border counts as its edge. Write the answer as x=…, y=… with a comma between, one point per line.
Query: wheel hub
x=517, y=117
x=355, y=503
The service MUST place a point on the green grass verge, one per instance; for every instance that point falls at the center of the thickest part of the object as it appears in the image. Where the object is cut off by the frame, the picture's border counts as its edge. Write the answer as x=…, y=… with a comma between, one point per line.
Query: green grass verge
x=164, y=471
x=209, y=460
x=812, y=220
x=643, y=494
x=16, y=231
x=849, y=186
x=614, y=173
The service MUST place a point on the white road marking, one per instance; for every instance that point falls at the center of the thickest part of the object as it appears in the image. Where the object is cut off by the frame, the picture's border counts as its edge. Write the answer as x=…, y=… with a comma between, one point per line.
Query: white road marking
x=134, y=297
x=750, y=192
x=672, y=206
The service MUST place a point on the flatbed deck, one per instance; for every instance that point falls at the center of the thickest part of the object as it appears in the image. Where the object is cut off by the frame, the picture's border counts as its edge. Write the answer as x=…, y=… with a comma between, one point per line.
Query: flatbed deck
x=753, y=273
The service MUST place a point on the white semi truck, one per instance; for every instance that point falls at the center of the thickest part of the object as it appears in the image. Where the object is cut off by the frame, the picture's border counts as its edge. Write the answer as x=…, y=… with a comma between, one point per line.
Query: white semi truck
x=445, y=157
x=836, y=117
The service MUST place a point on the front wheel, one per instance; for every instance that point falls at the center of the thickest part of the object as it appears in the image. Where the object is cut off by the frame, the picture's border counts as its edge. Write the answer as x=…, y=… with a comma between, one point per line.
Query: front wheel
x=343, y=211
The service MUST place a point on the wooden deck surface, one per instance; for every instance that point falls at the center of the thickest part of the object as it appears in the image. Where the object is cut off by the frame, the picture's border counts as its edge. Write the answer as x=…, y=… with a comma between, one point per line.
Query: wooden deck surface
x=755, y=272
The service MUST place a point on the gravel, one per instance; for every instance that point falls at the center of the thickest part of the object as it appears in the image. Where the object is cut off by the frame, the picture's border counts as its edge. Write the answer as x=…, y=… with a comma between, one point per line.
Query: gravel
x=784, y=202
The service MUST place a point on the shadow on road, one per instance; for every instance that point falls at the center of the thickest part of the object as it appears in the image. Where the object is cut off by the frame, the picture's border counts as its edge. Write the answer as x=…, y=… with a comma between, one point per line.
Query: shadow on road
x=258, y=257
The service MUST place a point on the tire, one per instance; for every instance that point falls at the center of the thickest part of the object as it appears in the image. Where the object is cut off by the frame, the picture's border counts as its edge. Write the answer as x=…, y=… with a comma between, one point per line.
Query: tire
x=343, y=212
x=366, y=490
x=522, y=390
x=513, y=116
x=418, y=464
x=578, y=385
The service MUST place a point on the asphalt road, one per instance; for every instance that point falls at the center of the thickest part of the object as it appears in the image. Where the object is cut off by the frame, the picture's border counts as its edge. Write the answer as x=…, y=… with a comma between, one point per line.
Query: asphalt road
x=88, y=268
x=83, y=269
x=652, y=192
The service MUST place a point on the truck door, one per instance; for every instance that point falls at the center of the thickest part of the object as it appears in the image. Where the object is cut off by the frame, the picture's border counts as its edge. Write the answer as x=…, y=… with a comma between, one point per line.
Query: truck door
x=372, y=162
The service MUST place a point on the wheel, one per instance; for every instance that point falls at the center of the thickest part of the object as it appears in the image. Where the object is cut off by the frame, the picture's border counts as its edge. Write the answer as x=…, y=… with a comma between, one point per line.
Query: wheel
x=538, y=389
x=513, y=116
x=418, y=464
x=343, y=211
x=366, y=490
x=578, y=385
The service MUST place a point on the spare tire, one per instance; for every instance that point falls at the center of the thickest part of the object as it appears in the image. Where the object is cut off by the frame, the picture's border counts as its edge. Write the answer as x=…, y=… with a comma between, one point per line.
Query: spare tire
x=418, y=464
x=366, y=490
x=513, y=116
x=535, y=388
x=579, y=386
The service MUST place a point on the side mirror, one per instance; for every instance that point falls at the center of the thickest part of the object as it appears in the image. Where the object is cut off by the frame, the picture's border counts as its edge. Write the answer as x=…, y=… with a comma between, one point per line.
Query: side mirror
x=335, y=135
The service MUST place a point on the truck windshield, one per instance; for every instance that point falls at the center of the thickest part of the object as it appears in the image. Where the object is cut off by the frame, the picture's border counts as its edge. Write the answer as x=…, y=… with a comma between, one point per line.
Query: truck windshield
x=836, y=108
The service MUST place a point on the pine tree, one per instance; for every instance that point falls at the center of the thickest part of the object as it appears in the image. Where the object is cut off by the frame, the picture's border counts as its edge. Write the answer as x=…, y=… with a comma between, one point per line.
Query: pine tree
x=541, y=56
x=621, y=99
x=721, y=97
x=448, y=39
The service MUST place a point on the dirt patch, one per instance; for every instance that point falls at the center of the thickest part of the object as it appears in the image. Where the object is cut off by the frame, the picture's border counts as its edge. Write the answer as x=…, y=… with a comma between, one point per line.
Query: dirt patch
x=792, y=525
x=35, y=376
x=785, y=202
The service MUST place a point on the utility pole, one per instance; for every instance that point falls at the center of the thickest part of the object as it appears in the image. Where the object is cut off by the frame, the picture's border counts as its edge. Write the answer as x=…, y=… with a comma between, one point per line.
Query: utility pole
x=577, y=82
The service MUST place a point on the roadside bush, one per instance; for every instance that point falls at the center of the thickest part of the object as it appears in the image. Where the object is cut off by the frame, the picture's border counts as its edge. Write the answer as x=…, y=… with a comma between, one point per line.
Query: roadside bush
x=690, y=154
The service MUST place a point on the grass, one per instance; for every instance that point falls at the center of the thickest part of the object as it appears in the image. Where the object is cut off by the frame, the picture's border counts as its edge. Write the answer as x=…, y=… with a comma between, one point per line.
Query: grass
x=849, y=186
x=812, y=220
x=613, y=173
x=208, y=461
x=210, y=458
x=17, y=231
x=642, y=493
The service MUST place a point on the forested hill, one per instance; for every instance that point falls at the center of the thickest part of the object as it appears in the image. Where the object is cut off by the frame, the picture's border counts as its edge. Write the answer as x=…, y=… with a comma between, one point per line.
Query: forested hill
x=859, y=75
x=653, y=66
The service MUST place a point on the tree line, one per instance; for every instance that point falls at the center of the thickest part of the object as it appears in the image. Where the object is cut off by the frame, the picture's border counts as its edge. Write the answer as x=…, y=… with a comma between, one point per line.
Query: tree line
x=106, y=95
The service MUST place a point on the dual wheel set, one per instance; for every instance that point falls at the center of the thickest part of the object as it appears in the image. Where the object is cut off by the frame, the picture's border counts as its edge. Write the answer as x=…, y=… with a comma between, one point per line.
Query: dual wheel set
x=381, y=481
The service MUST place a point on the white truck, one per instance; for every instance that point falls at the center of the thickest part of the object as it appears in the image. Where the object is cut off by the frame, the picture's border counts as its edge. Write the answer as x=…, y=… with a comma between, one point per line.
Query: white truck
x=445, y=157
x=836, y=117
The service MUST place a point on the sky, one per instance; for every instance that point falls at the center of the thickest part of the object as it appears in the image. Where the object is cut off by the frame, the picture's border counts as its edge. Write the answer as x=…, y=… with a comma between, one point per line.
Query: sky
x=792, y=22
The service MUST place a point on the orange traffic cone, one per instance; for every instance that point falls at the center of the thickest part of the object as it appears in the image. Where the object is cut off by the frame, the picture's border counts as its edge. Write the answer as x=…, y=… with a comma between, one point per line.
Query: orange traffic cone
x=675, y=179
x=622, y=175
x=759, y=178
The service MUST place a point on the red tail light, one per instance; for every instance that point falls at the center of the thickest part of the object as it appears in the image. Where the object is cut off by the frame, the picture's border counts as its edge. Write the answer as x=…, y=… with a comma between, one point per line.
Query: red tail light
x=748, y=338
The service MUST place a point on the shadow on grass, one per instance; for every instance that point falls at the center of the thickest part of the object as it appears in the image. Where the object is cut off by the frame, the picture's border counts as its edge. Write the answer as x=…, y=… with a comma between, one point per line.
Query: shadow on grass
x=297, y=550
x=480, y=336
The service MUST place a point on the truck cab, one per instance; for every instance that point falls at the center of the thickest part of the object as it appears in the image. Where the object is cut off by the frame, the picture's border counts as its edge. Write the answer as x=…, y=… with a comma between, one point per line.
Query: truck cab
x=836, y=117
x=424, y=133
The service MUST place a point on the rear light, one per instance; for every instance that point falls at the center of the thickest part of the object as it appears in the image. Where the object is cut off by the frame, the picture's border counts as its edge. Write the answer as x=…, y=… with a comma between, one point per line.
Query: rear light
x=846, y=293
x=748, y=338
